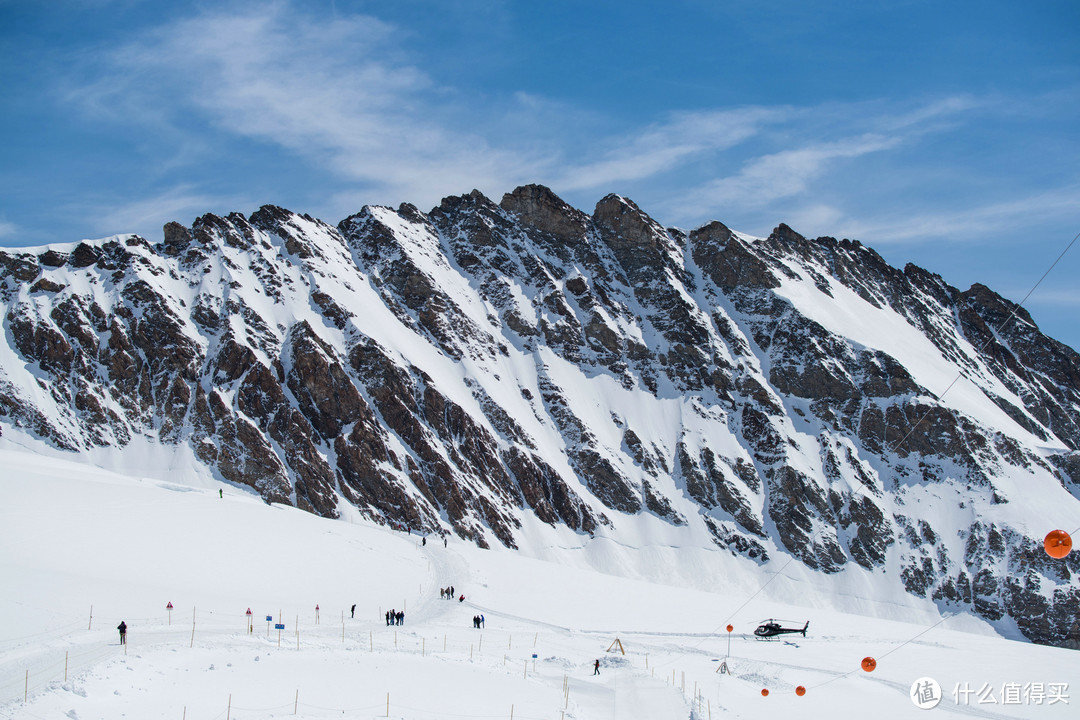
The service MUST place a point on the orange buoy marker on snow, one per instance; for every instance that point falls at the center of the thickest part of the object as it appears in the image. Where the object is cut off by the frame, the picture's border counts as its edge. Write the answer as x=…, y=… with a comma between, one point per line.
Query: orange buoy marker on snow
x=1057, y=544
x=730, y=628
x=764, y=692
x=868, y=664
x=800, y=691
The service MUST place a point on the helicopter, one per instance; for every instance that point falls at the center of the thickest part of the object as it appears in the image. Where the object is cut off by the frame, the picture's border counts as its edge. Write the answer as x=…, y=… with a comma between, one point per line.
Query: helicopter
x=771, y=628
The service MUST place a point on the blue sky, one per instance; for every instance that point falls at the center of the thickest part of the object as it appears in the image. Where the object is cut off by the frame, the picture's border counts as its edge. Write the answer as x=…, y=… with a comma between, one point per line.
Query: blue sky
x=941, y=133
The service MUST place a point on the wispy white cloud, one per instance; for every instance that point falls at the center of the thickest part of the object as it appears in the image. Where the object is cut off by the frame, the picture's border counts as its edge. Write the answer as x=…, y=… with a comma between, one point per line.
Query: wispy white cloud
x=338, y=91
x=784, y=174
x=147, y=215
x=1057, y=298
x=965, y=224
x=342, y=92
x=664, y=146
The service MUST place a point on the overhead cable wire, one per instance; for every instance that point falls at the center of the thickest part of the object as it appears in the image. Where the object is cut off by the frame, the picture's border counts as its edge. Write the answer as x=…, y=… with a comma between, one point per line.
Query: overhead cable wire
x=997, y=332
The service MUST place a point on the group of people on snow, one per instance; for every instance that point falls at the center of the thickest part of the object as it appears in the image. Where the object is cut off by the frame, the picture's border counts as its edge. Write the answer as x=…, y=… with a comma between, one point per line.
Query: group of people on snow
x=478, y=621
x=395, y=618
x=447, y=593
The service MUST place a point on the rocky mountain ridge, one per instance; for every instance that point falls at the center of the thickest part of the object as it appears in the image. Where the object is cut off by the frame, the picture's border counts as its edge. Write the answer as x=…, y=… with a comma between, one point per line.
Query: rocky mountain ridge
x=464, y=369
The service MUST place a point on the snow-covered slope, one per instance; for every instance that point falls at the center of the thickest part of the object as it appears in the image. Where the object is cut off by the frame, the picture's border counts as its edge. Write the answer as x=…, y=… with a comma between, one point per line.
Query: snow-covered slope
x=88, y=548
x=690, y=407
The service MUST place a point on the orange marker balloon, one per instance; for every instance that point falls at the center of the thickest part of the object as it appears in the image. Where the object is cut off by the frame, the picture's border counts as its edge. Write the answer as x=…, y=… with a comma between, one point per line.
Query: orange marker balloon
x=1057, y=544
x=730, y=628
x=868, y=664
x=800, y=691
x=764, y=692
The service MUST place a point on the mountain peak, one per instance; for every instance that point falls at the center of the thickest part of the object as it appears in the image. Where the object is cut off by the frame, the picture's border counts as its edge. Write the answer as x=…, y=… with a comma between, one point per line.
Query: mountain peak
x=536, y=206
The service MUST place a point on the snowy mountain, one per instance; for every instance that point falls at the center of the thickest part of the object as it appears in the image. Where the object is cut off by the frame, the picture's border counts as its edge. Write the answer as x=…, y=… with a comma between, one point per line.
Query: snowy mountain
x=483, y=366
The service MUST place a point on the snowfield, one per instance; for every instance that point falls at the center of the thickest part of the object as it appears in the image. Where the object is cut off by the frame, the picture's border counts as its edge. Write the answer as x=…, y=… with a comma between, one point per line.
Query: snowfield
x=83, y=548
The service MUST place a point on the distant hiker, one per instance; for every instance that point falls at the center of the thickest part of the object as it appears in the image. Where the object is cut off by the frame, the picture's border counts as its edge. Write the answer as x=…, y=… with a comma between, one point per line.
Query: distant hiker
x=451, y=591
x=424, y=542
x=444, y=542
x=122, y=627
x=352, y=612
x=461, y=599
x=401, y=618
x=596, y=668
x=387, y=618
x=476, y=621
x=481, y=621
x=220, y=493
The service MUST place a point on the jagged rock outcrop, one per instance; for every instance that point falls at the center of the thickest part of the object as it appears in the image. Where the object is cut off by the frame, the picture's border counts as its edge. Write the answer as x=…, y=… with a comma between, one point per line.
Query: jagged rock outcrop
x=482, y=366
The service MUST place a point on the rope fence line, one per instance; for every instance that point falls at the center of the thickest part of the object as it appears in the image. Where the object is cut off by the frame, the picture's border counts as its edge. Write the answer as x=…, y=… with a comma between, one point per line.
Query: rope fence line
x=50, y=672
x=46, y=673
x=468, y=642
x=59, y=665
x=63, y=629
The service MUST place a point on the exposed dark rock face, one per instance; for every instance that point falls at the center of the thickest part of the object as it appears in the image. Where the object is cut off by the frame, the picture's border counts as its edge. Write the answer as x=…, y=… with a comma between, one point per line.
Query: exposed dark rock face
x=470, y=368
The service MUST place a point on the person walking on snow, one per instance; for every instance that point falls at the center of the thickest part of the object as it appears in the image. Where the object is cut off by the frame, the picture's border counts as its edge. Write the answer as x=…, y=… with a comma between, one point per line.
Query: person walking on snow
x=352, y=612
x=122, y=627
x=596, y=668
